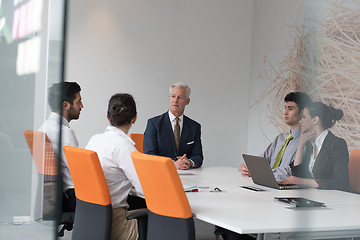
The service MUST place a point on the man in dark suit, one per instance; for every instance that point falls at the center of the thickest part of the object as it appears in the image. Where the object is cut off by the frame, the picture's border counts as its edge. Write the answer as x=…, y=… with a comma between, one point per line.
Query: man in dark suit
x=174, y=135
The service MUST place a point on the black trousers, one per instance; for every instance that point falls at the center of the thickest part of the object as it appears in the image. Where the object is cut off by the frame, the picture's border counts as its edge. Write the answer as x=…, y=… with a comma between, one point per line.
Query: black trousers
x=135, y=202
x=69, y=201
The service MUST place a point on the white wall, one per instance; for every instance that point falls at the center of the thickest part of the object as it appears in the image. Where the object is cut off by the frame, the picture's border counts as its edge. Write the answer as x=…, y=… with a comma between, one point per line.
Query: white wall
x=274, y=26
x=272, y=38
x=142, y=46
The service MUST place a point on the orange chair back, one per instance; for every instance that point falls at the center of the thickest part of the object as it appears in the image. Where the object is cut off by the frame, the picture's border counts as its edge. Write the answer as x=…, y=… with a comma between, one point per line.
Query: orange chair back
x=42, y=152
x=163, y=190
x=138, y=138
x=87, y=175
x=354, y=169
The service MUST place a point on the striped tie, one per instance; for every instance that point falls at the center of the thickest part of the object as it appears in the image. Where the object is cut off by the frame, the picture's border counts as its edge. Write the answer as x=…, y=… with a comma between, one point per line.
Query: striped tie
x=177, y=133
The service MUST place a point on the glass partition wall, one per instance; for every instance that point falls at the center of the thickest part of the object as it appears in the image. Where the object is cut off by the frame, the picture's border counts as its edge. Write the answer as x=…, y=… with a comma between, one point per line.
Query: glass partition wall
x=31, y=60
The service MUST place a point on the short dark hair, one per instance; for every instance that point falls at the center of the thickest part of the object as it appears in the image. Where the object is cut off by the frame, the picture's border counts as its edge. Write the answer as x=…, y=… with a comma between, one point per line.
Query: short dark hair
x=60, y=92
x=328, y=114
x=300, y=98
x=121, y=109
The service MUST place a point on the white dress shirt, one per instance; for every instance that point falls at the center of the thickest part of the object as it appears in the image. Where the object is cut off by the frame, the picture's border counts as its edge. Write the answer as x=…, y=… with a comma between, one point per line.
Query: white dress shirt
x=173, y=121
x=51, y=128
x=317, y=146
x=114, y=150
x=181, y=123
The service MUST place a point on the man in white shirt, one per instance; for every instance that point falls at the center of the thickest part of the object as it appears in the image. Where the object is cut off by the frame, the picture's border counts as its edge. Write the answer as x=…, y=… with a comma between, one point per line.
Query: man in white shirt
x=70, y=106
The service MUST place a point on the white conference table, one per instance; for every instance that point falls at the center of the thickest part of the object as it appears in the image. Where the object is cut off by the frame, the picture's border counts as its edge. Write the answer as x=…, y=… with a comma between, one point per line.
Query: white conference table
x=248, y=212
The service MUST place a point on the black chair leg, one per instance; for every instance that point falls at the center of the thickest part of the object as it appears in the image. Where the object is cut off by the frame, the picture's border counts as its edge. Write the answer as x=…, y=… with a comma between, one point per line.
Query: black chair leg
x=142, y=227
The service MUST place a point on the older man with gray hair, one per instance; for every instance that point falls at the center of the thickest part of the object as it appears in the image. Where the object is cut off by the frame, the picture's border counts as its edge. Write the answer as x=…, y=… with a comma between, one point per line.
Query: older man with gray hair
x=173, y=134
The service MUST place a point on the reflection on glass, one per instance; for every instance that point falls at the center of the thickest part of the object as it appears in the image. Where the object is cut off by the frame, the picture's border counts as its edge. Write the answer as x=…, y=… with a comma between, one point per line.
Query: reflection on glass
x=30, y=61
x=61, y=115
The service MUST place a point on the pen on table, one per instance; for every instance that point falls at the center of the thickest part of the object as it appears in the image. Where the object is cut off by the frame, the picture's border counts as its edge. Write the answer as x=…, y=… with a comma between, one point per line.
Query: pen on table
x=192, y=190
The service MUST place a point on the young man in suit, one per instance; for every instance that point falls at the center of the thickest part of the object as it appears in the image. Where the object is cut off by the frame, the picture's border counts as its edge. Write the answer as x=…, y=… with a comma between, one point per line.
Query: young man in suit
x=295, y=102
x=173, y=134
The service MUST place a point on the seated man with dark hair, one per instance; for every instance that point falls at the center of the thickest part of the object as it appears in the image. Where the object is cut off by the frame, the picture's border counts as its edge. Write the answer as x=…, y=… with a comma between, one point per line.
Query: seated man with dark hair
x=281, y=152
x=71, y=105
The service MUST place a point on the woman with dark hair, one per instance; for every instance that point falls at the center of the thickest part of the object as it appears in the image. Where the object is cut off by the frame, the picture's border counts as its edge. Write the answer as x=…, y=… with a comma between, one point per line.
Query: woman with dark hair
x=322, y=159
x=114, y=148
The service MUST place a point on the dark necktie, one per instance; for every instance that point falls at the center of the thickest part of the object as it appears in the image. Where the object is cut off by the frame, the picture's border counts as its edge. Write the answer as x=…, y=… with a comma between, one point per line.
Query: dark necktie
x=177, y=133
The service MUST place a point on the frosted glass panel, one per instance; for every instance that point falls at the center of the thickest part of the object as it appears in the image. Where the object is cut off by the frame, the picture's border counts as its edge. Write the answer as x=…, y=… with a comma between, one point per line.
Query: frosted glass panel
x=31, y=41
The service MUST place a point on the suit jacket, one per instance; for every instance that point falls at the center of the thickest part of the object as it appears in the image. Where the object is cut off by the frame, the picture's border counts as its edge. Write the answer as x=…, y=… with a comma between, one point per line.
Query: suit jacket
x=330, y=170
x=159, y=139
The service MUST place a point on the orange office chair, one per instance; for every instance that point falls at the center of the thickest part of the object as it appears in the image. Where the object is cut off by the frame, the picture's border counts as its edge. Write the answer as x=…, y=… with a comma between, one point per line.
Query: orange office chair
x=93, y=215
x=134, y=201
x=46, y=164
x=43, y=154
x=138, y=138
x=169, y=212
x=354, y=170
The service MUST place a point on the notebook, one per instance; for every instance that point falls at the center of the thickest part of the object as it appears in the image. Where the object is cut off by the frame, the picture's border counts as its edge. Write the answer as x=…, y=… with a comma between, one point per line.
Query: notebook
x=261, y=173
x=299, y=202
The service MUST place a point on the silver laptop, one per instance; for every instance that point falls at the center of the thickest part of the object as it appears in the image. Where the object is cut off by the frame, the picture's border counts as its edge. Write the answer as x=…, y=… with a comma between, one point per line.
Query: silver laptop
x=261, y=172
